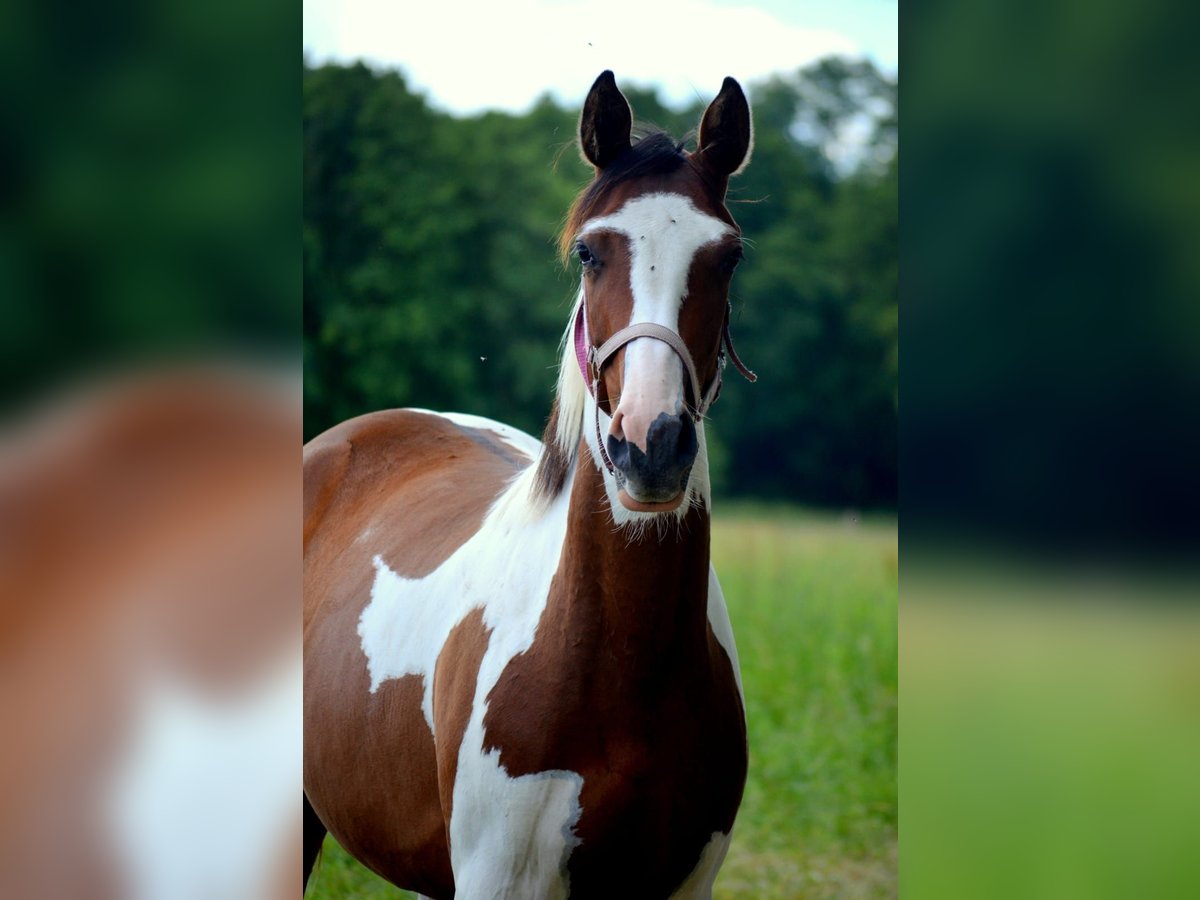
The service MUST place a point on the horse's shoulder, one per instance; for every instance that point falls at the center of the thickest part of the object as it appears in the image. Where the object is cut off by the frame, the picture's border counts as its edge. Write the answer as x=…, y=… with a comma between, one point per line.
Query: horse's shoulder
x=399, y=441
x=372, y=432
x=420, y=465
x=348, y=457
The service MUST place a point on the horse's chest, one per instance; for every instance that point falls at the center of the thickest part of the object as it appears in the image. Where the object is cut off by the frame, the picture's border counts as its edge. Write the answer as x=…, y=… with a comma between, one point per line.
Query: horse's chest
x=658, y=776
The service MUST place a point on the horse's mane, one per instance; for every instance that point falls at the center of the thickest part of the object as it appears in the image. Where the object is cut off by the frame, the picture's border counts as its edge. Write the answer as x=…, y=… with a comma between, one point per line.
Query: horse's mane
x=564, y=428
x=656, y=153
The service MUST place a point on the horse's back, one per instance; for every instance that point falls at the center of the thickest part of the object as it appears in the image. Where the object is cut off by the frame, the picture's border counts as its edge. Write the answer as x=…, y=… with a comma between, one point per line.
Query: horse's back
x=396, y=491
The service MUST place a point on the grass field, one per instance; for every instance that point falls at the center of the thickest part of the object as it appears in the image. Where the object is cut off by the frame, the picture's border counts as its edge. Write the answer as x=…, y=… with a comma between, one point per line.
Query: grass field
x=1051, y=732
x=813, y=603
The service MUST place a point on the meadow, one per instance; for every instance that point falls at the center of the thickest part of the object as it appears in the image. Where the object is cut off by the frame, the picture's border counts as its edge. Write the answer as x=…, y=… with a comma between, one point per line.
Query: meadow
x=813, y=601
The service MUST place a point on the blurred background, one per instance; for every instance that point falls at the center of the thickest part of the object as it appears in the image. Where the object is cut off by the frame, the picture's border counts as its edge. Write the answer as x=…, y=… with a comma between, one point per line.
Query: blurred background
x=1050, y=635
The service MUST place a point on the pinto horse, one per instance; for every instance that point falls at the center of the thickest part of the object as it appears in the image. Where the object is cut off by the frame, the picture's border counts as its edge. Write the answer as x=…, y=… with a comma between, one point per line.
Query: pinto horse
x=520, y=676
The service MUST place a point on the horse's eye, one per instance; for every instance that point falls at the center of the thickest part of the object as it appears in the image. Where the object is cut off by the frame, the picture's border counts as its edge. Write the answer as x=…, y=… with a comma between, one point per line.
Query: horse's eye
x=586, y=257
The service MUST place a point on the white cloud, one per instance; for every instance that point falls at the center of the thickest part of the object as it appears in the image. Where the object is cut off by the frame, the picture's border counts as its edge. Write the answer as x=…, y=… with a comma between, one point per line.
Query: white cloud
x=503, y=54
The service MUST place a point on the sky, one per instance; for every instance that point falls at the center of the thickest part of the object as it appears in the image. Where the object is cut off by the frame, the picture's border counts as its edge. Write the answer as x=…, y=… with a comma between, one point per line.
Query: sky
x=504, y=54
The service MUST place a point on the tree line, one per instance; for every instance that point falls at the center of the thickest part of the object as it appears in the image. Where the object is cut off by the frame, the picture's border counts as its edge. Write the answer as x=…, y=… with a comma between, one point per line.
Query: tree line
x=431, y=278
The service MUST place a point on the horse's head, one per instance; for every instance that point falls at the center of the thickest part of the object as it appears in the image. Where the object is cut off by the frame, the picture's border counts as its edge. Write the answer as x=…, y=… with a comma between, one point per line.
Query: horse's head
x=657, y=249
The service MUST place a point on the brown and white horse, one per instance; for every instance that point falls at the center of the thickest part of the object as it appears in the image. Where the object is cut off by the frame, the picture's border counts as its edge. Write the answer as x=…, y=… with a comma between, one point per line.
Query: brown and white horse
x=520, y=676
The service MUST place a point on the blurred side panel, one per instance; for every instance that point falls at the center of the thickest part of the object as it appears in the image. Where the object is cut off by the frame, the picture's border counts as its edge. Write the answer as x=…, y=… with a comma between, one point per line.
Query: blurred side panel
x=149, y=450
x=1050, y=210
x=1049, y=731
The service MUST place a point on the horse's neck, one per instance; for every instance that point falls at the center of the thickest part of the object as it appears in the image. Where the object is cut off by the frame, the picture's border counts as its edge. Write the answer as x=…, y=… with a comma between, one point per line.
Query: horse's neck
x=632, y=600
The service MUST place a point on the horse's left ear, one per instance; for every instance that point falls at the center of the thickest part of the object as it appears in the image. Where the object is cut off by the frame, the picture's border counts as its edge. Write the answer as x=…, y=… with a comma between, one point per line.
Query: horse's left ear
x=606, y=123
x=726, y=135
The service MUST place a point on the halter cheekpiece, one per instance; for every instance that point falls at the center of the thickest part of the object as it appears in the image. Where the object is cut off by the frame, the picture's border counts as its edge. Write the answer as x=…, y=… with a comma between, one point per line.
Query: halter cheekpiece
x=592, y=360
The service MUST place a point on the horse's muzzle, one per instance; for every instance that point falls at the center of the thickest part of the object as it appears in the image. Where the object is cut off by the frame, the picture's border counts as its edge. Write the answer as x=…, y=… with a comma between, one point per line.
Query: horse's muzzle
x=659, y=474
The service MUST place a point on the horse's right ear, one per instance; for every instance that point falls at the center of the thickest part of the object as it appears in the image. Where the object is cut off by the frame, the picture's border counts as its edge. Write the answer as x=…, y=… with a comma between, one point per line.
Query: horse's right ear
x=606, y=122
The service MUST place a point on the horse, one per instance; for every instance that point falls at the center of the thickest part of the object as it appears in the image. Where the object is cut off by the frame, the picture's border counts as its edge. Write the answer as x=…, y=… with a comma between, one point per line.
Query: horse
x=520, y=675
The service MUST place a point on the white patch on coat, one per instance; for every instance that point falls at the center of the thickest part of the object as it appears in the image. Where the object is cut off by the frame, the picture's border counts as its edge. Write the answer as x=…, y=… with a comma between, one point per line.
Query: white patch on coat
x=699, y=884
x=523, y=443
x=400, y=637
x=203, y=802
x=508, y=836
x=718, y=620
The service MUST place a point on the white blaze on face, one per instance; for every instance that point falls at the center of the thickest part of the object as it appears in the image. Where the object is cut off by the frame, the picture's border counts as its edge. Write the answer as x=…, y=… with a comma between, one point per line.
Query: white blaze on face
x=664, y=232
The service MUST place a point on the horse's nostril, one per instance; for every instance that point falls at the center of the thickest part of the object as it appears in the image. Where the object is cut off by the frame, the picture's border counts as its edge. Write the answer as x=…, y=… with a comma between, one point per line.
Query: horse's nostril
x=616, y=429
x=618, y=452
x=672, y=441
x=688, y=444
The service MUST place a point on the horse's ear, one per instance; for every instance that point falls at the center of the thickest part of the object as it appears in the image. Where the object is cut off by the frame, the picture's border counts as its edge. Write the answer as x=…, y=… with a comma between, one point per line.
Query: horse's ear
x=606, y=122
x=726, y=135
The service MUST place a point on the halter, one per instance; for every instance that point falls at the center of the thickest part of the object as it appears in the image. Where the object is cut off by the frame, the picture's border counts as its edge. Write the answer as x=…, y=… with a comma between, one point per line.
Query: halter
x=593, y=359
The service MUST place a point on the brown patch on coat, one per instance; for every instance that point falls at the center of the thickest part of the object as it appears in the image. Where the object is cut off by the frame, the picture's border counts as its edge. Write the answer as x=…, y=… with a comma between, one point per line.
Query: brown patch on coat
x=370, y=767
x=702, y=316
x=410, y=487
x=454, y=684
x=636, y=695
x=609, y=309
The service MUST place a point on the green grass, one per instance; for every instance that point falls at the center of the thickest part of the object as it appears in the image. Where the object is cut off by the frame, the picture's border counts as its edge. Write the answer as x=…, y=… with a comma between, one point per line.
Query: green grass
x=1051, y=734
x=813, y=603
